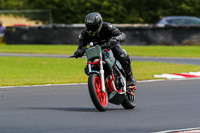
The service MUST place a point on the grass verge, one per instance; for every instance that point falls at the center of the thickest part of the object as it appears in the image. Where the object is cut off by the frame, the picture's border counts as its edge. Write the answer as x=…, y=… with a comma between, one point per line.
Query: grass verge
x=18, y=71
x=157, y=51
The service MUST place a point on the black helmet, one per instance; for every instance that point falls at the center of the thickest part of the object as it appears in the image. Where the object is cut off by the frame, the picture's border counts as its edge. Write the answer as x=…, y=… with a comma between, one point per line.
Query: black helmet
x=93, y=23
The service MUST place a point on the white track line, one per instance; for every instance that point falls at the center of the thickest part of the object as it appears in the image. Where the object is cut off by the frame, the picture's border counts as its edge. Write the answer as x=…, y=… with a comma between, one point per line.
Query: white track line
x=180, y=75
x=181, y=130
x=26, y=86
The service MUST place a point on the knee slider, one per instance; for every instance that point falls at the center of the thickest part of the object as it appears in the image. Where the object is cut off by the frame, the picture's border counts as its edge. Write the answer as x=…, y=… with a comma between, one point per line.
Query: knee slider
x=128, y=59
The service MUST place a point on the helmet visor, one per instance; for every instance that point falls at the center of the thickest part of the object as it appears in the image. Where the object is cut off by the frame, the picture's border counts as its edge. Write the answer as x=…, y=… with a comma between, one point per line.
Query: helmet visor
x=92, y=28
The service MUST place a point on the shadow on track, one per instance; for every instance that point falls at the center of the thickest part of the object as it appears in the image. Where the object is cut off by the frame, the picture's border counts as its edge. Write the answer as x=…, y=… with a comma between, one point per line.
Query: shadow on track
x=72, y=109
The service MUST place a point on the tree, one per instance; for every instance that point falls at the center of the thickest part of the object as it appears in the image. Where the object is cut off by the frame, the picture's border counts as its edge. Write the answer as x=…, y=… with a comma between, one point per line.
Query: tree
x=12, y=4
x=74, y=11
x=114, y=11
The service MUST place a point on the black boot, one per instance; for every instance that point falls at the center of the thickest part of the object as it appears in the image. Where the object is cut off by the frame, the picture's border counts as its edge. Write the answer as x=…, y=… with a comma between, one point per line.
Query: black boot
x=130, y=81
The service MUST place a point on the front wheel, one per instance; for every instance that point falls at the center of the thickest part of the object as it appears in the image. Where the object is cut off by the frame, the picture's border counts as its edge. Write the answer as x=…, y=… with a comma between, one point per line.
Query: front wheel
x=99, y=98
x=130, y=100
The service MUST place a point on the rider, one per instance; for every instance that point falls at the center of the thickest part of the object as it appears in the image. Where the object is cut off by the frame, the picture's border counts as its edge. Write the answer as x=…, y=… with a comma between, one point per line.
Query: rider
x=97, y=31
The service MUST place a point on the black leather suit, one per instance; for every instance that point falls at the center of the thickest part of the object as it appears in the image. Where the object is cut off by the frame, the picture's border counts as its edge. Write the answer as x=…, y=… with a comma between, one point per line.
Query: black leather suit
x=107, y=32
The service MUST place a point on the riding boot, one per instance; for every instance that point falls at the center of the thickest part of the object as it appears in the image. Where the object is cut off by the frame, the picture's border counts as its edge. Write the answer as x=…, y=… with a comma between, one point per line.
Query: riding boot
x=130, y=79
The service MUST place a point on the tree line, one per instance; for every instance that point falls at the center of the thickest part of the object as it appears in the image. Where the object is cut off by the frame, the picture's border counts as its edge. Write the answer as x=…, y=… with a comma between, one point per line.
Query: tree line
x=114, y=11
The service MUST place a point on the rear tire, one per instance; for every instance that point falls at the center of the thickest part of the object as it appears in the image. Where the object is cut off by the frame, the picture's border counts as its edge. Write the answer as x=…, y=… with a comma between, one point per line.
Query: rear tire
x=130, y=100
x=99, y=98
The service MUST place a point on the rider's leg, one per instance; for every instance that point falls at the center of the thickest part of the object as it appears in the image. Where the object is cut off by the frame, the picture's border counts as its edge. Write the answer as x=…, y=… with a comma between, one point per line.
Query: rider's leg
x=125, y=61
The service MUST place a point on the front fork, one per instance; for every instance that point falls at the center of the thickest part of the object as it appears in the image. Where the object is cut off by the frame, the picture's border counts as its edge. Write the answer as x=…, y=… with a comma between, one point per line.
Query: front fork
x=100, y=62
x=101, y=73
x=103, y=88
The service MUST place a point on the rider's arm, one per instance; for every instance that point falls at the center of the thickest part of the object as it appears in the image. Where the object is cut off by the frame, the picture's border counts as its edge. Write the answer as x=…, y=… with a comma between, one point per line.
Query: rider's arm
x=82, y=40
x=116, y=33
x=81, y=47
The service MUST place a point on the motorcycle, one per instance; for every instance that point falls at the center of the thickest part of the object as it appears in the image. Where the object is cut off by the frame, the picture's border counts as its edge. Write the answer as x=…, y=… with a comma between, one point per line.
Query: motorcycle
x=106, y=81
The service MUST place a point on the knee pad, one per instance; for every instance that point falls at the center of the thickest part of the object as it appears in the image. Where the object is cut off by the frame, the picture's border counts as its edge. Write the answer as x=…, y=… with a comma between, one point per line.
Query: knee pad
x=128, y=59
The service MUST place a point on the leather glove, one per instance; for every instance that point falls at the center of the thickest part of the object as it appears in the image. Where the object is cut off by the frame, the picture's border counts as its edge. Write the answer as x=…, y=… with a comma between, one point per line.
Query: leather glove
x=113, y=41
x=78, y=53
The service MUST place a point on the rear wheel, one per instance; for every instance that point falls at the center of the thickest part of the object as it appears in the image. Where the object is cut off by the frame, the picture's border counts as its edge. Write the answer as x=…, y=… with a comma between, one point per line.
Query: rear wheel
x=130, y=100
x=99, y=98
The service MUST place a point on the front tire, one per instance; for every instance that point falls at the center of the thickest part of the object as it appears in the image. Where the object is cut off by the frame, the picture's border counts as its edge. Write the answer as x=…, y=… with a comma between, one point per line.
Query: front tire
x=99, y=98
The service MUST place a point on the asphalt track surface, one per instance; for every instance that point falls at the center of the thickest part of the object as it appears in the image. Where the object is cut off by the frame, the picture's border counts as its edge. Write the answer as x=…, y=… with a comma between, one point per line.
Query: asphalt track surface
x=161, y=105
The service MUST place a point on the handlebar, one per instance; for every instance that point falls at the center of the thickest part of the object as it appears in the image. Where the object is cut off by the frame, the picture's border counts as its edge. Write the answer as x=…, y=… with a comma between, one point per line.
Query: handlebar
x=72, y=56
x=75, y=56
x=106, y=45
x=103, y=46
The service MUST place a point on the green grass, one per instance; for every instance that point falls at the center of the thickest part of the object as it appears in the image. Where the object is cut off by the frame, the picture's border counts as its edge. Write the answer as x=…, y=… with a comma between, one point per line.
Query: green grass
x=146, y=70
x=164, y=51
x=17, y=71
x=40, y=49
x=32, y=71
x=158, y=51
